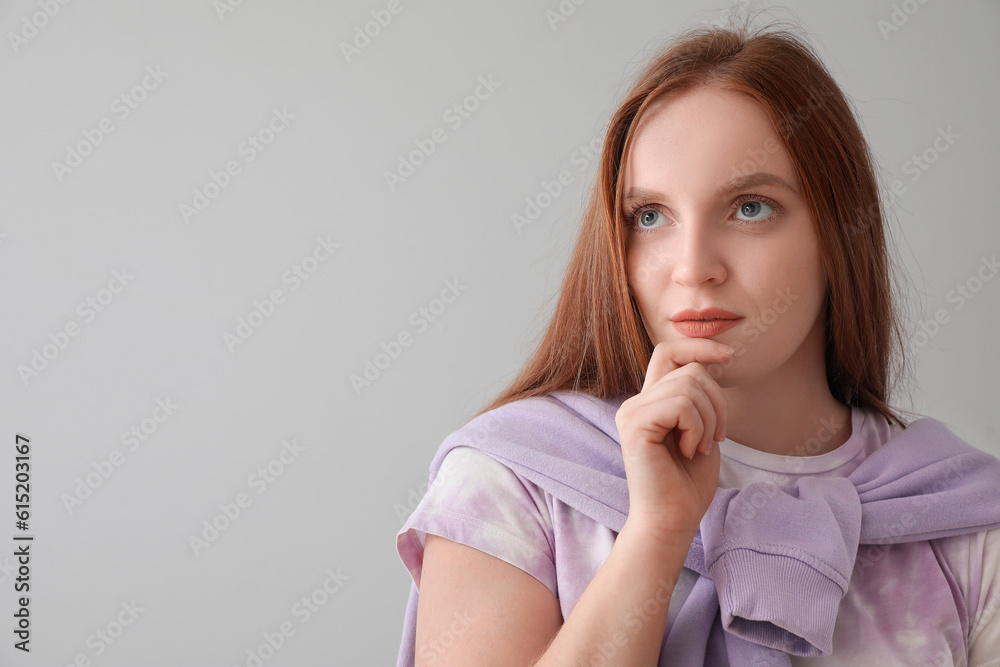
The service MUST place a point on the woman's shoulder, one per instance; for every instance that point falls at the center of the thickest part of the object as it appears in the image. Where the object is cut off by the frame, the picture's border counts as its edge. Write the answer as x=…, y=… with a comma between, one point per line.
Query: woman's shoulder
x=583, y=404
x=556, y=436
x=468, y=467
x=469, y=477
x=562, y=404
x=973, y=562
x=542, y=418
x=970, y=552
x=479, y=501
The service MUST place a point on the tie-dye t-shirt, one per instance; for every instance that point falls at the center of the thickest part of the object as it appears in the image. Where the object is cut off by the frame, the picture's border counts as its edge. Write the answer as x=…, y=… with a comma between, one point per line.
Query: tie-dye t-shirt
x=920, y=603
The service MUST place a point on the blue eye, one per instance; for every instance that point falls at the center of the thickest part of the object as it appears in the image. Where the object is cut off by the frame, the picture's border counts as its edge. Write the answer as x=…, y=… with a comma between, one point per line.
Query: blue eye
x=644, y=216
x=753, y=208
x=641, y=217
x=647, y=218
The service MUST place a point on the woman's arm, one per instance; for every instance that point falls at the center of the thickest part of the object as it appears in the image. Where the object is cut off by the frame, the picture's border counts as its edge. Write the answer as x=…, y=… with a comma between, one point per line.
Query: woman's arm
x=477, y=609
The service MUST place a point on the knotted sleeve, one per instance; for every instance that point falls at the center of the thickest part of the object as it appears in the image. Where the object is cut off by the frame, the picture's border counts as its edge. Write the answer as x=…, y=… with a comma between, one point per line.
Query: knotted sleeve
x=782, y=558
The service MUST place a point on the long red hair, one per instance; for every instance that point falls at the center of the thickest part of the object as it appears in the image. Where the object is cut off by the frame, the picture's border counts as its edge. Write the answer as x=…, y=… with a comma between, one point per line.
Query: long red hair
x=596, y=343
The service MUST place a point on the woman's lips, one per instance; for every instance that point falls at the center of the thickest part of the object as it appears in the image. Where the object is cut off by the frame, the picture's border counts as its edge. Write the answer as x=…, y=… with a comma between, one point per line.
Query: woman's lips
x=704, y=314
x=704, y=328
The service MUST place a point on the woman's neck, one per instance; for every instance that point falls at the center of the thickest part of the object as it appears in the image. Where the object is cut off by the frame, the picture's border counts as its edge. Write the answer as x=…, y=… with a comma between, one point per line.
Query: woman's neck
x=809, y=426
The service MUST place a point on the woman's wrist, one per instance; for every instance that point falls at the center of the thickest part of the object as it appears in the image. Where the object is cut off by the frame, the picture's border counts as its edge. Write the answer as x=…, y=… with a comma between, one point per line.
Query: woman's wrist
x=659, y=531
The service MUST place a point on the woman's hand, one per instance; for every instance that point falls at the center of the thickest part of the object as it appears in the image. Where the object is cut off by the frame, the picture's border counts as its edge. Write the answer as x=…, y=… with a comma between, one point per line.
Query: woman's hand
x=669, y=432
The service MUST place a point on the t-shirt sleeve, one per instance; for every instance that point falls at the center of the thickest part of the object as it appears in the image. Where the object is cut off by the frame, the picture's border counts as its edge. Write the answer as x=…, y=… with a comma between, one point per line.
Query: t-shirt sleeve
x=477, y=501
x=984, y=600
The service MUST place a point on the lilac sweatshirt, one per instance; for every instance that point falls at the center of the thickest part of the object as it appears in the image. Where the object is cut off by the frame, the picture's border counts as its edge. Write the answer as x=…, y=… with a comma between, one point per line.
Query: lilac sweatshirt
x=768, y=571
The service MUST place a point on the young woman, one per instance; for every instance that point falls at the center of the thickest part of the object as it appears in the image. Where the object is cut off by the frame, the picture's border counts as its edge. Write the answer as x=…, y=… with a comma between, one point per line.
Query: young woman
x=699, y=464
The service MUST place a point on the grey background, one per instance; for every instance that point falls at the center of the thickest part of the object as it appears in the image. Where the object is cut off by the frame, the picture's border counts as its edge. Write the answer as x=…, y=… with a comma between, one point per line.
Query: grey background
x=339, y=504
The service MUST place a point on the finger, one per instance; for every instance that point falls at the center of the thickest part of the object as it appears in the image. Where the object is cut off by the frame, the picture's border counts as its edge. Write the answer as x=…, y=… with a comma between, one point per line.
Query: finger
x=690, y=424
x=694, y=382
x=704, y=465
x=714, y=394
x=711, y=387
x=668, y=357
x=664, y=419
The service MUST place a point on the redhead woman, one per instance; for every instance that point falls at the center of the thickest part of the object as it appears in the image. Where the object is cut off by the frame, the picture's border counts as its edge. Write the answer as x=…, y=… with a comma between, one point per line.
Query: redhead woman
x=699, y=465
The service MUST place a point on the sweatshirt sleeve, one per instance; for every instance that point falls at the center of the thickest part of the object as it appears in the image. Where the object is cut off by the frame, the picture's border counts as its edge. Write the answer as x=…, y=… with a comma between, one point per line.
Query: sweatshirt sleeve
x=984, y=600
x=477, y=501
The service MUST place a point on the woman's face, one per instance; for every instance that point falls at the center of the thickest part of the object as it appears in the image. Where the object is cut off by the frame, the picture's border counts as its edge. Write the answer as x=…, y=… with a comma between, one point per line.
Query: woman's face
x=720, y=222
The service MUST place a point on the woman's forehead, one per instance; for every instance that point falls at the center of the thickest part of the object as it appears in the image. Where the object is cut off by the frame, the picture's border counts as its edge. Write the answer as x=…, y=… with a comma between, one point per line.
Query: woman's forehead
x=705, y=132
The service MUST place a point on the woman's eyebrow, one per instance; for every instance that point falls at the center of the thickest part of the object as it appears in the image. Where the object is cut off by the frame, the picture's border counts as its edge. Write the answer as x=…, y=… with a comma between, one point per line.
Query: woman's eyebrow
x=753, y=180
x=737, y=183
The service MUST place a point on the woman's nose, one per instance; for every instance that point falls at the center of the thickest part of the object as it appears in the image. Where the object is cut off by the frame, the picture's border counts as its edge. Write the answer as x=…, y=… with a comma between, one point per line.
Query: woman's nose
x=697, y=256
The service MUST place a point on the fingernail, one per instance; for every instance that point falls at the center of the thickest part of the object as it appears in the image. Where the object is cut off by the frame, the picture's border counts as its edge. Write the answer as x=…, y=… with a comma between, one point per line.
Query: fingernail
x=708, y=450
